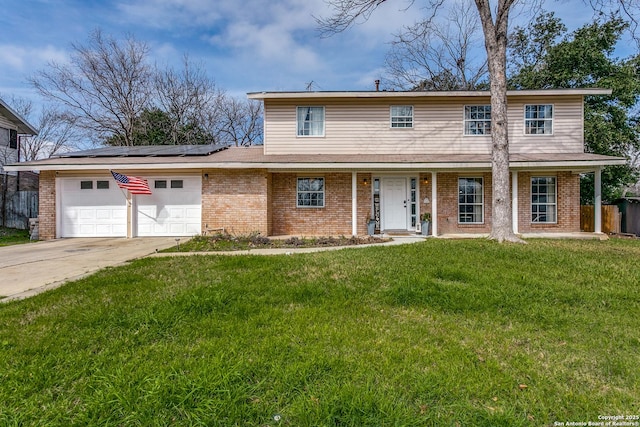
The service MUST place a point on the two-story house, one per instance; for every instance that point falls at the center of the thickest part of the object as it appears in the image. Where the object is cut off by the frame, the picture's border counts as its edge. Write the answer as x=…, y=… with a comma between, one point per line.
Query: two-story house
x=11, y=125
x=332, y=160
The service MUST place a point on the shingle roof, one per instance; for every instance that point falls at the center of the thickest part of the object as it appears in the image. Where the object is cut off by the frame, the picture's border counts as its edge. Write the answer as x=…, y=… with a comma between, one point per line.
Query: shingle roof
x=254, y=157
x=21, y=124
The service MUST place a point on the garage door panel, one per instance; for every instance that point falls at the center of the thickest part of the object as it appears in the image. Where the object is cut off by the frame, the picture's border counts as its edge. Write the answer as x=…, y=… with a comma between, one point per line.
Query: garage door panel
x=86, y=211
x=91, y=212
x=171, y=211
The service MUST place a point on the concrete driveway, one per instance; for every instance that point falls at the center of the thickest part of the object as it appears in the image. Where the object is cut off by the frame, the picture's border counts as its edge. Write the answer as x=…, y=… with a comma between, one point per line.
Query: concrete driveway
x=28, y=269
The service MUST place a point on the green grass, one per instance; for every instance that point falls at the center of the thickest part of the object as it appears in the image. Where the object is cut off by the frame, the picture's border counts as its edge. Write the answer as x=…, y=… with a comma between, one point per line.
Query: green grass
x=12, y=236
x=441, y=333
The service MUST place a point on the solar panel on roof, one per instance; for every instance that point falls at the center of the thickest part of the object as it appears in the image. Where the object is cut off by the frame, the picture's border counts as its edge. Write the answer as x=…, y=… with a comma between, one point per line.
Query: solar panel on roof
x=148, y=151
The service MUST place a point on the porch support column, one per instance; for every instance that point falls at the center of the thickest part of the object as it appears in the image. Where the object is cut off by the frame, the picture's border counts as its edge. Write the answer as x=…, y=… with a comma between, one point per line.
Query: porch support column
x=514, y=201
x=597, y=205
x=354, y=203
x=434, y=203
x=129, y=215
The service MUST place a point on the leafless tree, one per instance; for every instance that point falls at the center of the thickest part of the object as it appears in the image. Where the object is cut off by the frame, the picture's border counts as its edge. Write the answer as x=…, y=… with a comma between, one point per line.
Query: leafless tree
x=240, y=122
x=104, y=87
x=438, y=55
x=57, y=133
x=494, y=17
x=495, y=39
x=190, y=98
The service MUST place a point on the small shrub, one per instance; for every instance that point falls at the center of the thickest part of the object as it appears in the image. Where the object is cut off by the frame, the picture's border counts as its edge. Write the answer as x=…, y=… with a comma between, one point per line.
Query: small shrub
x=294, y=241
x=260, y=240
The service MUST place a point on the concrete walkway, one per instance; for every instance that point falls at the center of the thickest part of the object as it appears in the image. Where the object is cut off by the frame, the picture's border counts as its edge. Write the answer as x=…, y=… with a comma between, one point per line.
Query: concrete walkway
x=28, y=269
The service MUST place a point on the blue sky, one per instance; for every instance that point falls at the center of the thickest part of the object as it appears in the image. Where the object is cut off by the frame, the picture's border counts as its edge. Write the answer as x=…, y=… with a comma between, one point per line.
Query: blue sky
x=244, y=45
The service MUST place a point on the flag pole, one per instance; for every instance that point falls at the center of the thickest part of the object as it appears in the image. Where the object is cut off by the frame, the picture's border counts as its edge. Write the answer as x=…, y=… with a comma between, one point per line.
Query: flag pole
x=129, y=215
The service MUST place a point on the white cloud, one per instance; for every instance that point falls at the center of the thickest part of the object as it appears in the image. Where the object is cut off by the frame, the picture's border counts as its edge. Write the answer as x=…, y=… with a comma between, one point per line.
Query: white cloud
x=170, y=13
x=26, y=58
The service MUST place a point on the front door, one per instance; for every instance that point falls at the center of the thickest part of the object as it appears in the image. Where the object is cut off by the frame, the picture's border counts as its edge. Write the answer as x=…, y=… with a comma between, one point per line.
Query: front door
x=394, y=203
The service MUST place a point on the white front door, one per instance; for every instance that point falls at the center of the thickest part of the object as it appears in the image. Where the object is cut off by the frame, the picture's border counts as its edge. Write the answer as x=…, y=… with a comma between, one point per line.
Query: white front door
x=394, y=203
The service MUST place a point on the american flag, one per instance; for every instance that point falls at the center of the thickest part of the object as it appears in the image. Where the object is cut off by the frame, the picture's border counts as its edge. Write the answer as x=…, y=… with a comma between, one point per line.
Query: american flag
x=134, y=184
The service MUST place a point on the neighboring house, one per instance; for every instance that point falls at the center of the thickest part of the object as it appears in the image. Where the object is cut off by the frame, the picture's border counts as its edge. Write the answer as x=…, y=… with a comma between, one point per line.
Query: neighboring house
x=332, y=160
x=11, y=125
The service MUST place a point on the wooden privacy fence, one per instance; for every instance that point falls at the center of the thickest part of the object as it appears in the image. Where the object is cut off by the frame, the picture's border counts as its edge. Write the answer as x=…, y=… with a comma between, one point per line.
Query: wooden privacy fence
x=21, y=205
x=611, y=219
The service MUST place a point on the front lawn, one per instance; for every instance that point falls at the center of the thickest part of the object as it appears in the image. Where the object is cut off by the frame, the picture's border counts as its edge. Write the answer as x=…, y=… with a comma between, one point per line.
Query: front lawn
x=13, y=236
x=443, y=332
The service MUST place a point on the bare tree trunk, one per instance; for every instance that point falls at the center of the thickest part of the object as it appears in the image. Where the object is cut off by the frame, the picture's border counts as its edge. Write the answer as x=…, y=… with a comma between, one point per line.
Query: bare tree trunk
x=495, y=35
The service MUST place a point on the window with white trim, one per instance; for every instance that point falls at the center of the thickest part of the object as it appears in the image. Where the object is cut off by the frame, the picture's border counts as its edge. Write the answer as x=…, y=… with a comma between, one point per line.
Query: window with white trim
x=310, y=193
x=470, y=201
x=544, y=200
x=477, y=119
x=401, y=116
x=538, y=119
x=310, y=121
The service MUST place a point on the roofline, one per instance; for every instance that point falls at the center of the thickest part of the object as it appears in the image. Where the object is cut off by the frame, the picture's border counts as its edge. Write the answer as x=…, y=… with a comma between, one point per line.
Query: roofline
x=24, y=128
x=423, y=94
x=284, y=166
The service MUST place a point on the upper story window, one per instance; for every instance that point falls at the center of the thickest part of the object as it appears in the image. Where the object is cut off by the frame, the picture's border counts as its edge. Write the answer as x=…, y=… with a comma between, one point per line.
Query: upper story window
x=401, y=116
x=310, y=192
x=4, y=137
x=477, y=119
x=538, y=119
x=310, y=121
x=13, y=138
x=470, y=201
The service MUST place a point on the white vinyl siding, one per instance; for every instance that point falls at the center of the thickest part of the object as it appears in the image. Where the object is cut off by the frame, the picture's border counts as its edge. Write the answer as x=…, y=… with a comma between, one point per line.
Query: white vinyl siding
x=355, y=126
x=401, y=116
x=7, y=154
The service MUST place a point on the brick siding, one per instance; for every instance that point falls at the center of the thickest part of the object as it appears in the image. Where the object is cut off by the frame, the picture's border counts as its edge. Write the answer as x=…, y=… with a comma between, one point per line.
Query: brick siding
x=47, y=205
x=254, y=200
x=236, y=201
x=448, y=204
x=568, y=203
x=333, y=219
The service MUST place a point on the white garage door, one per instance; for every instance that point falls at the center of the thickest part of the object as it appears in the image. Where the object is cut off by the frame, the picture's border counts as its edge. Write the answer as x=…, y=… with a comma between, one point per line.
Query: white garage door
x=91, y=207
x=174, y=208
